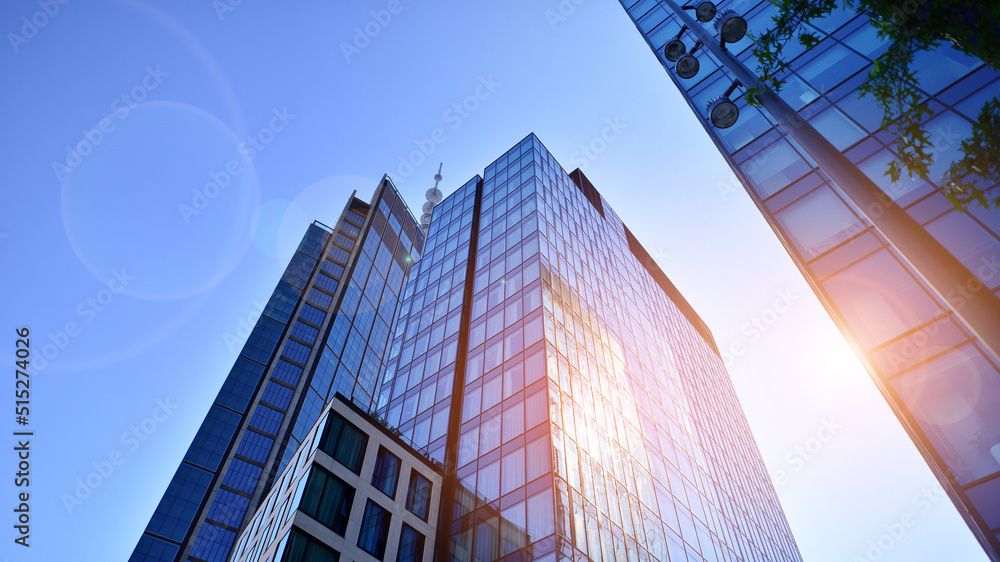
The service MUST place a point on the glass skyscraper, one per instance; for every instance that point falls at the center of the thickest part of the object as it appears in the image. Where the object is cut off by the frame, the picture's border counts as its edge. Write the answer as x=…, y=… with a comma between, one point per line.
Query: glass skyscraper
x=529, y=361
x=325, y=330
x=942, y=384
x=578, y=404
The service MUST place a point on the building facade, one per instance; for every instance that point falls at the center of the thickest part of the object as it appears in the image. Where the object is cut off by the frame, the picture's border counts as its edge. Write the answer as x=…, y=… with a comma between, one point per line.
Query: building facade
x=353, y=491
x=325, y=330
x=579, y=406
x=555, y=390
x=941, y=382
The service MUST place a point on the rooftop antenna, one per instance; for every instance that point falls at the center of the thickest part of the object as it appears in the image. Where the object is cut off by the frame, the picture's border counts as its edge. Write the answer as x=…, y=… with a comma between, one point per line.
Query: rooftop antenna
x=434, y=197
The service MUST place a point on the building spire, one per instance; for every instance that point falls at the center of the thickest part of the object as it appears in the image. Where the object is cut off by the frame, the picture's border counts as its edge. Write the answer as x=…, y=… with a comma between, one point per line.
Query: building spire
x=434, y=197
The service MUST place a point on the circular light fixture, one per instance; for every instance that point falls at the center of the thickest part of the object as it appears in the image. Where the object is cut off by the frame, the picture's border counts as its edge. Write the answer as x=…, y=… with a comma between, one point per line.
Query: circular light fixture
x=731, y=26
x=705, y=12
x=723, y=112
x=674, y=49
x=687, y=66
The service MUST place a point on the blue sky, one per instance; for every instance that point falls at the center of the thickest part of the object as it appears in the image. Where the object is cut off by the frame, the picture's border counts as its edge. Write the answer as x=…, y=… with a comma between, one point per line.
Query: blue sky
x=118, y=251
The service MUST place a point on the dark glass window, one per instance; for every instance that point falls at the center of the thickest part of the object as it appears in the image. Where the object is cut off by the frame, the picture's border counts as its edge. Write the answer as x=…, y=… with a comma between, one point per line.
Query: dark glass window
x=411, y=545
x=326, y=282
x=228, y=508
x=304, y=332
x=282, y=302
x=344, y=442
x=266, y=419
x=277, y=395
x=262, y=341
x=179, y=505
x=213, y=543
x=324, y=372
x=338, y=254
x=374, y=530
x=344, y=241
x=240, y=385
x=355, y=218
x=386, y=473
x=286, y=372
x=332, y=268
x=298, y=270
x=319, y=298
x=312, y=242
x=303, y=548
x=213, y=438
x=311, y=314
x=242, y=476
x=308, y=414
x=418, y=495
x=152, y=549
x=328, y=500
x=295, y=351
x=338, y=335
x=255, y=446
x=350, y=230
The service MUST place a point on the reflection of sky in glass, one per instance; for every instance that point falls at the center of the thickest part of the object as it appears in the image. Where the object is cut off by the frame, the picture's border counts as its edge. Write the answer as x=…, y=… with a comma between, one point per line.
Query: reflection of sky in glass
x=882, y=302
x=578, y=389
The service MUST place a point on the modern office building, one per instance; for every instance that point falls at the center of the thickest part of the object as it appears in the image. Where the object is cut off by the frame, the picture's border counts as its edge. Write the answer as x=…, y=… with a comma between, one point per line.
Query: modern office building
x=578, y=404
x=353, y=491
x=558, y=394
x=939, y=379
x=325, y=330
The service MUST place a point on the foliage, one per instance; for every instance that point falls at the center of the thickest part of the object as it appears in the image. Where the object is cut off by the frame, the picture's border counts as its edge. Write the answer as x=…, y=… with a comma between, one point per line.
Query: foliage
x=908, y=26
x=981, y=156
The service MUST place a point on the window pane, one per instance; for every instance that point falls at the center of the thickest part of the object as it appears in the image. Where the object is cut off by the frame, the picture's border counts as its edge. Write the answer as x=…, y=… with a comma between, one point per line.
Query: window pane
x=879, y=299
x=345, y=443
x=774, y=168
x=328, y=499
x=303, y=548
x=941, y=67
x=512, y=471
x=956, y=400
x=971, y=244
x=875, y=167
x=386, y=473
x=838, y=129
x=411, y=545
x=374, y=530
x=541, y=518
x=418, y=495
x=831, y=68
x=818, y=222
